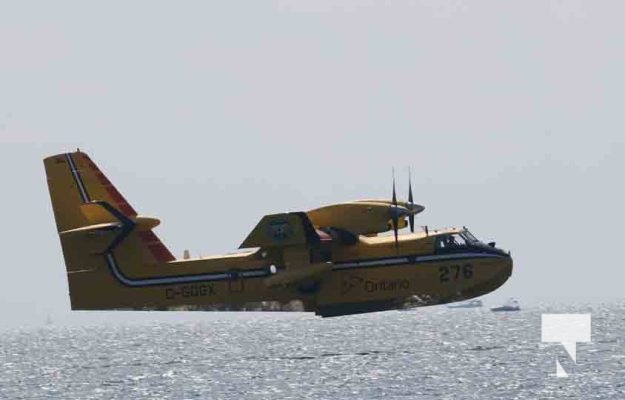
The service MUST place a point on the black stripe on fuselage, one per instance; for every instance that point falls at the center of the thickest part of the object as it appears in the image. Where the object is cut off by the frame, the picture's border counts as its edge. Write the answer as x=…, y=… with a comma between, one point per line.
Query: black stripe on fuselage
x=264, y=272
x=409, y=260
x=82, y=189
x=182, y=279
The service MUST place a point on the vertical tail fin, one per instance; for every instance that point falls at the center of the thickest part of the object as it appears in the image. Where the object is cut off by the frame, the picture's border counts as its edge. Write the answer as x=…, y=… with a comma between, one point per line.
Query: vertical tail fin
x=98, y=228
x=73, y=179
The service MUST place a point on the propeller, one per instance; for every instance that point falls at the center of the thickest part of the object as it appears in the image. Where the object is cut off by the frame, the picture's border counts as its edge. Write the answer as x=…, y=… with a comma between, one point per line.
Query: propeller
x=408, y=208
x=394, y=213
x=410, y=203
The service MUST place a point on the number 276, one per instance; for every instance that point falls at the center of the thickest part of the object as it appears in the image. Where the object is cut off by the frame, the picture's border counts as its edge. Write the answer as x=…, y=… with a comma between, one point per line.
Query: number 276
x=455, y=272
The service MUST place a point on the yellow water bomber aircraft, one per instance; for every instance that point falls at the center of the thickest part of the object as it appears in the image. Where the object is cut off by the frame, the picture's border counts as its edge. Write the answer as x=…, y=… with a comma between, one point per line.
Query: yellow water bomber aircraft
x=332, y=258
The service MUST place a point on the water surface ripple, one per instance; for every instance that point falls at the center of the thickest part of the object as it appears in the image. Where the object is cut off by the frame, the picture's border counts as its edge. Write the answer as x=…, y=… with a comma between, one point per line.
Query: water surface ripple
x=427, y=353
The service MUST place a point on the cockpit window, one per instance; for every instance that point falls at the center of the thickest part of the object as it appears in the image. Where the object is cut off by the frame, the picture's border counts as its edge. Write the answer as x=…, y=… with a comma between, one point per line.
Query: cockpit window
x=468, y=236
x=450, y=241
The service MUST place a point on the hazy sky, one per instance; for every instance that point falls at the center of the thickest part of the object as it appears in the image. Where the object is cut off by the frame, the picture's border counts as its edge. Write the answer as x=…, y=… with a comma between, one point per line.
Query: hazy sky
x=209, y=115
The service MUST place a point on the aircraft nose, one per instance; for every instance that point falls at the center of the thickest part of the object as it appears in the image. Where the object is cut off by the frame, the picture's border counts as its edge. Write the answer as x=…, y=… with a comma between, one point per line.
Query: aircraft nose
x=507, y=266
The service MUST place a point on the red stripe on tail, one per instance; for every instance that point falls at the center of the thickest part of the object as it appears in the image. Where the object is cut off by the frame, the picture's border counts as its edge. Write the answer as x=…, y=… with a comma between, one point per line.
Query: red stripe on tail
x=157, y=248
x=120, y=202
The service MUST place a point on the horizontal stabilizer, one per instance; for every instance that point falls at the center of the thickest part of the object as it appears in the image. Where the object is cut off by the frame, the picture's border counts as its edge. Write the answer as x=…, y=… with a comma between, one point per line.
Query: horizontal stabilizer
x=107, y=226
x=101, y=212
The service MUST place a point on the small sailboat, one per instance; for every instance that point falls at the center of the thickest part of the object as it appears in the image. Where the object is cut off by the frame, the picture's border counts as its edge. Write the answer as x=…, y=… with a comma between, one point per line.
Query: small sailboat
x=510, y=305
x=475, y=303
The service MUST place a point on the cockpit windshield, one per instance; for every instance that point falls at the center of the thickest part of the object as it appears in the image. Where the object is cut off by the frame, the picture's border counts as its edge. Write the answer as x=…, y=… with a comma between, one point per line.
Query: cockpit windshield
x=455, y=240
x=468, y=236
x=450, y=240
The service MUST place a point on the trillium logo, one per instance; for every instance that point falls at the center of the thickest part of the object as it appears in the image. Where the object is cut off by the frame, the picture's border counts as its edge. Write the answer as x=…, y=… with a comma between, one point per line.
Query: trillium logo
x=567, y=329
x=349, y=282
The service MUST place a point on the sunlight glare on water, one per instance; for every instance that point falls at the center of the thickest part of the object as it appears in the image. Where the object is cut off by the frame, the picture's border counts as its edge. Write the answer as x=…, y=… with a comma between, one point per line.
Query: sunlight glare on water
x=427, y=353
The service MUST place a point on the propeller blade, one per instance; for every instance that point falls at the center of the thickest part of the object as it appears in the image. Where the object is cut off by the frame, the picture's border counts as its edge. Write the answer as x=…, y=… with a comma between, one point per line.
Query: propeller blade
x=395, y=232
x=394, y=194
x=410, y=202
x=395, y=215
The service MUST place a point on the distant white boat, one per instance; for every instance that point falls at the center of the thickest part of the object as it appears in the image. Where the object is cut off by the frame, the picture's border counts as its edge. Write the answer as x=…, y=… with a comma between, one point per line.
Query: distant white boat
x=510, y=305
x=476, y=303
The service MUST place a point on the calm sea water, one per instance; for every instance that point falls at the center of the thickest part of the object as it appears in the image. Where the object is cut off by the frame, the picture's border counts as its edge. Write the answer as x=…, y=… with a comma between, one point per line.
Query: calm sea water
x=427, y=353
